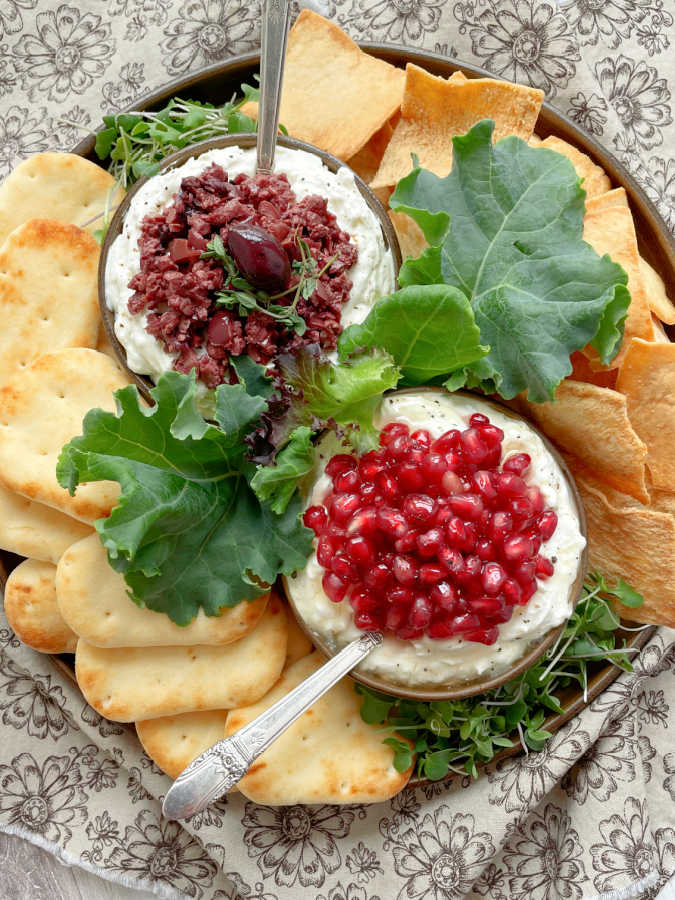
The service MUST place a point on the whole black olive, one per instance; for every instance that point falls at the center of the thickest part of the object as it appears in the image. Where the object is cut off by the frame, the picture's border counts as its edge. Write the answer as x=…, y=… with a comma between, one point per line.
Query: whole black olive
x=260, y=257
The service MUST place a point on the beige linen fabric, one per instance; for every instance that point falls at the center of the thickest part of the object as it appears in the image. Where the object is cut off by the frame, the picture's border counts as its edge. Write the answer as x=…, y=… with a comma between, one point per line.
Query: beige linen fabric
x=594, y=811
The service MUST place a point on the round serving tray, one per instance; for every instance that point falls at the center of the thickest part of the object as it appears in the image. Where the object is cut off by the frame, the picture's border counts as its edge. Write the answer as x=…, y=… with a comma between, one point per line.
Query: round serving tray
x=217, y=83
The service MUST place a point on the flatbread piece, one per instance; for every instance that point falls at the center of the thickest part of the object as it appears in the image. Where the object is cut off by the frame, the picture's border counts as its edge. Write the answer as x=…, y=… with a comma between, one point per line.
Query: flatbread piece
x=130, y=684
x=41, y=409
x=60, y=186
x=32, y=611
x=329, y=755
x=48, y=292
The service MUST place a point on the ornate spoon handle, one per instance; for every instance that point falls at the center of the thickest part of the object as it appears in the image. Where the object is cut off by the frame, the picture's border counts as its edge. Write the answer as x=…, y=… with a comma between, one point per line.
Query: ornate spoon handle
x=220, y=767
x=272, y=54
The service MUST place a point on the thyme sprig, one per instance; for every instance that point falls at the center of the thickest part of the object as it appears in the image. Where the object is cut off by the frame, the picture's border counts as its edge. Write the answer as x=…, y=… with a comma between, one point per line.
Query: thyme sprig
x=241, y=295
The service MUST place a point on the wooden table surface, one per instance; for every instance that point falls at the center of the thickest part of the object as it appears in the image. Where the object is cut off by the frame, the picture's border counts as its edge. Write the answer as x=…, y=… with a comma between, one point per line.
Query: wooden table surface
x=29, y=873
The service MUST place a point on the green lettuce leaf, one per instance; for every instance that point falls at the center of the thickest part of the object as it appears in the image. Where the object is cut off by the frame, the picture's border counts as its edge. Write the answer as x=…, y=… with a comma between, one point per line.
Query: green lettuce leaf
x=345, y=395
x=428, y=331
x=277, y=482
x=188, y=532
x=506, y=229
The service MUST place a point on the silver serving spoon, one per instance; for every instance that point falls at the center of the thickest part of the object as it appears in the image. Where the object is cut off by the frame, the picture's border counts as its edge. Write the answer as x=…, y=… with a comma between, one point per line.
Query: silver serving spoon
x=220, y=767
x=272, y=55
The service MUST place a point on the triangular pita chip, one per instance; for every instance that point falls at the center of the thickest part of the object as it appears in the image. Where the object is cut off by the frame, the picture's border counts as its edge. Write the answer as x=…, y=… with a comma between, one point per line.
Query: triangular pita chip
x=647, y=378
x=434, y=110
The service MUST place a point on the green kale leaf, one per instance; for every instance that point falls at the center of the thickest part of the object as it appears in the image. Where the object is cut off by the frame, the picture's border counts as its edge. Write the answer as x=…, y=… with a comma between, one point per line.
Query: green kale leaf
x=188, y=532
x=429, y=330
x=506, y=230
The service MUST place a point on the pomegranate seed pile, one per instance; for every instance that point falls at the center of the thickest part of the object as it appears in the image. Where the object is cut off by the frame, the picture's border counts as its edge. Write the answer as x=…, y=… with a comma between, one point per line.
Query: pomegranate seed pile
x=435, y=537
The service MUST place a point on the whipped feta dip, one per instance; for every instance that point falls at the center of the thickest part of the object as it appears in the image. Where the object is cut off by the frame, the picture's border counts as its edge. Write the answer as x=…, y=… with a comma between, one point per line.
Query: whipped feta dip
x=427, y=661
x=372, y=276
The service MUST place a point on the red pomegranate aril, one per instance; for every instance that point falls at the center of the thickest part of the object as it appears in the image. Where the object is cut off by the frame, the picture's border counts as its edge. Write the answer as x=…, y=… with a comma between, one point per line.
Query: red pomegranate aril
x=387, y=485
x=409, y=632
x=449, y=440
x=518, y=548
x=430, y=573
x=521, y=509
x=466, y=622
x=501, y=526
x=347, y=482
x=483, y=481
x=512, y=592
x=433, y=467
x=368, y=491
x=518, y=463
x=334, y=588
x=443, y=516
x=392, y=430
x=455, y=461
x=482, y=635
x=547, y=524
x=429, y=543
x=472, y=568
x=485, y=550
x=407, y=543
x=344, y=568
x=316, y=518
x=543, y=567
x=485, y=606
x=361, y=550
x=367, y=622
x=378, y=578
x=399, y=446
x=416, y=456
x=344, y=506
x=405, y=570
x=455, y=532
x=400, y=596
x=478, y=419
x=363, y=601
x=421, y=437
x=392, y=522
x=325, y=550
x=396, y=617
x=492, y=436
x=524, y=573
x=418, y=509
x=452, y=560
x=536, y=499
x=441, y=629
x=493, y=577
x=420, y=612
x=451, y=483
x=473, y=447
x=364, y=521
x=503, y=615
x=340, y=463
x=510, y=485
x=468, y=506
x=444, y=595
x=409, y=478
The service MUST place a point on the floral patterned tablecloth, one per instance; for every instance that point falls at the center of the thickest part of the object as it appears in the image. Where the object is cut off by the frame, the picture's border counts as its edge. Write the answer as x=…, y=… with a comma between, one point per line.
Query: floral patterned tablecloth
x=594, y=812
